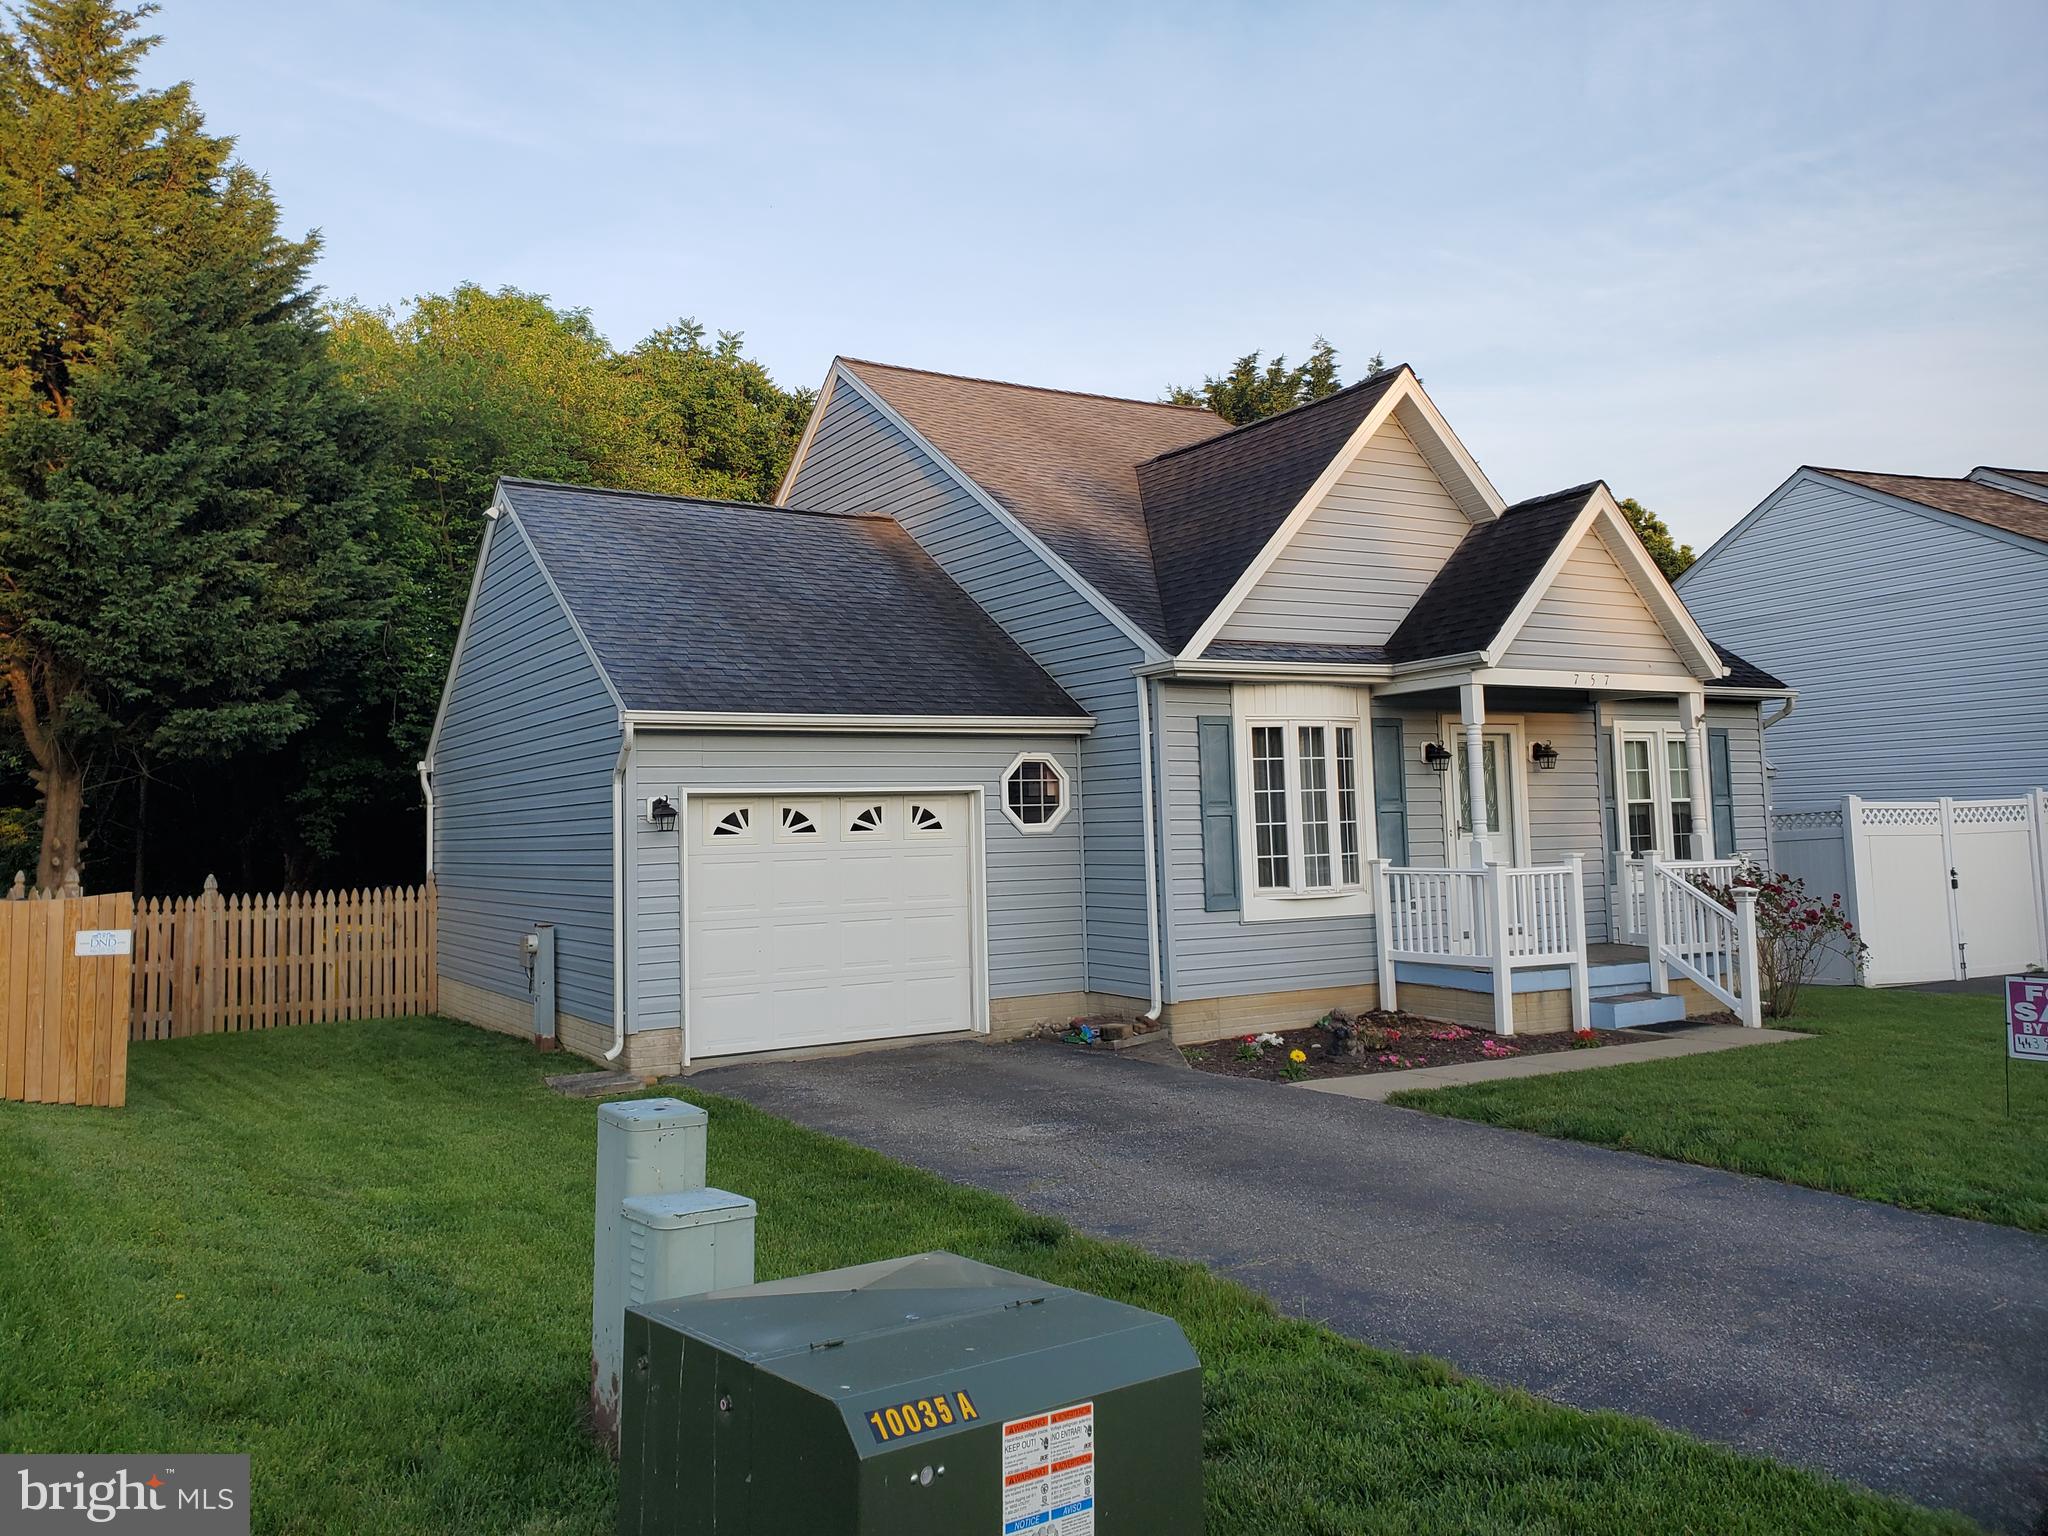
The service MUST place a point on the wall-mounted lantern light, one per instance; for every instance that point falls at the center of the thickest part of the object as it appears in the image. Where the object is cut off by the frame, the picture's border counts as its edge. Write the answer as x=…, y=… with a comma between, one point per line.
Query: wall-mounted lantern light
x=1437, y=755
x=1543, y=755
x=662, y=812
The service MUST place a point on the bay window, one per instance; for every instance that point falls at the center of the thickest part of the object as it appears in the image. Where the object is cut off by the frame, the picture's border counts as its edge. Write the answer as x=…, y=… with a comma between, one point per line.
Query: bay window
x=1304, y=804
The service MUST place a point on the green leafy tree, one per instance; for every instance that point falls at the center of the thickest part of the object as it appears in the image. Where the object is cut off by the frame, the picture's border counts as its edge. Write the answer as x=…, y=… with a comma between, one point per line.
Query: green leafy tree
x=186, y=528
x=709, y=418
x=1250, y=391
x=1671, y=556
x=474, y=384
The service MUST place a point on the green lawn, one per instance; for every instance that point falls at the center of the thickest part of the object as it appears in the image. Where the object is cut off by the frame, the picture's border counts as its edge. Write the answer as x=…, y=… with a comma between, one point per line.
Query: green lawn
x=361, y=1252
x=1901, y=1098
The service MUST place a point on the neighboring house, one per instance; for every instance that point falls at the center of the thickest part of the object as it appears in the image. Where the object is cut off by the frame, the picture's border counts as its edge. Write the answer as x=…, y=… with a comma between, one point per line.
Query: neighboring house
x=1023, y=704
x=1913, y=608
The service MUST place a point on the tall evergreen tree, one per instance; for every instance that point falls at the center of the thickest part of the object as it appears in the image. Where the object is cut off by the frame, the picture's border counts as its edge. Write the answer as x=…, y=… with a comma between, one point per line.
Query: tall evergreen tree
x=186, y=530
x=1249, y=392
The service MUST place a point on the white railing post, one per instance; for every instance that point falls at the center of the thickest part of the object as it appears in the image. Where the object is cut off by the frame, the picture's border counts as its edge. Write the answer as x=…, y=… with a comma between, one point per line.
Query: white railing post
x=1752, y=993
x=1653, y=923
x=1496, y=901
x=1582, y=992
x=1383, y=923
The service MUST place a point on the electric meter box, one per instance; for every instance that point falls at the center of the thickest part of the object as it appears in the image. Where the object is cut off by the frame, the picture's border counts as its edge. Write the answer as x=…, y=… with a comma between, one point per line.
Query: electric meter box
x=924, y=1396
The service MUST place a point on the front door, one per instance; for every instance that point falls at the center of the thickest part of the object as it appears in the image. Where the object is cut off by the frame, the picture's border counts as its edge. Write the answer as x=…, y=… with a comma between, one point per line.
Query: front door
x=1500, y=800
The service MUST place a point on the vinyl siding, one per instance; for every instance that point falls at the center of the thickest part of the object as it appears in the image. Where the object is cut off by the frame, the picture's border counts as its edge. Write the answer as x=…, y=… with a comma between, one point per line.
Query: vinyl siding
x=1592, y=619
x=1564, y=802
x=1217, y=954
x=1565, y=814
x=858, y=458
x=1744, y=725
x=1034, y=880
x=522, y=791
x=1913, y=639
x=1360, y=560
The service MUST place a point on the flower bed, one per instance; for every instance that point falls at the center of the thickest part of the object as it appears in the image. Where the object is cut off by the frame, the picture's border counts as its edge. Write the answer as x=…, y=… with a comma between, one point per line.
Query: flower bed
x=1343, y=1045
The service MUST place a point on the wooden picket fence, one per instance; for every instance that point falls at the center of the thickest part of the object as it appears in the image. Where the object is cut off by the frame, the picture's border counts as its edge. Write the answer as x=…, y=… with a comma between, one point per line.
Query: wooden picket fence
x=64, y=999
x=210, y=964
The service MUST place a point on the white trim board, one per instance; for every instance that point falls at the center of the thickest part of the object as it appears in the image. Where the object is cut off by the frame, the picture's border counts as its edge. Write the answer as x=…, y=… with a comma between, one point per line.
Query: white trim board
x=1147, y=646
x=924, y=725
x=1476, y=497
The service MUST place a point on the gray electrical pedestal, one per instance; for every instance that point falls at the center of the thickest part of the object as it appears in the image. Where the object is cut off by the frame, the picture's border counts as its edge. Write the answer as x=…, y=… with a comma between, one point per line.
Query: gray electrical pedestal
x=660, y=1233
x=540, y=981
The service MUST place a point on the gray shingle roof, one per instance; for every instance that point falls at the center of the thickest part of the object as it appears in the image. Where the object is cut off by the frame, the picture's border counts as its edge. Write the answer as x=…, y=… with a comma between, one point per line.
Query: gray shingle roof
x=1212, y=506
x=1472, y=594
x=1065, y=465
x=727, y=606
x=1742, y=674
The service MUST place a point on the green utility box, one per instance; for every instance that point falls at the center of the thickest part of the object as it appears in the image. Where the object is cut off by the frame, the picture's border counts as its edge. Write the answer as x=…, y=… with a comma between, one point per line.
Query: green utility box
x=926, y=1396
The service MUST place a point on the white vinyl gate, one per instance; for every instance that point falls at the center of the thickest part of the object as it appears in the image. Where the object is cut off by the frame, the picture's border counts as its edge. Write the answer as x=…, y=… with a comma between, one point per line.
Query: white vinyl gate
x=1943, y=890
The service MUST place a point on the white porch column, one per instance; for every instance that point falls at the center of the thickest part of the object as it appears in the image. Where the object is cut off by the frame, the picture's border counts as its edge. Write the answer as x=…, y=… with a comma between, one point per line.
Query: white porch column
x=1472, y=714
x=1692, y=714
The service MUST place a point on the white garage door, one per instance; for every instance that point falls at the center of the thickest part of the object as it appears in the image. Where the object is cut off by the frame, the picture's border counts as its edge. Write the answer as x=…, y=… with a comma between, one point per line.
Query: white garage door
x=816, y=920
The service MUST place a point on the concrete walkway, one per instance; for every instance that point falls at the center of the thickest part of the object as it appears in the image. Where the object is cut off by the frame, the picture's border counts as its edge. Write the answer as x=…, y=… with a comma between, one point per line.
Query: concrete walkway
x=1905, y=1352
x=1690, y=1042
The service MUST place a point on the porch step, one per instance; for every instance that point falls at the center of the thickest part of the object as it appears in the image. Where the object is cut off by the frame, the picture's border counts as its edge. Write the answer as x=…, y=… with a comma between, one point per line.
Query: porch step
x=1632, y=1010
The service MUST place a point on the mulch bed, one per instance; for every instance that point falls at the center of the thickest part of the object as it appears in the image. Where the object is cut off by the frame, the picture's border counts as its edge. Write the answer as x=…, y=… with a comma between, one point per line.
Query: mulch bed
x=1395, y=1042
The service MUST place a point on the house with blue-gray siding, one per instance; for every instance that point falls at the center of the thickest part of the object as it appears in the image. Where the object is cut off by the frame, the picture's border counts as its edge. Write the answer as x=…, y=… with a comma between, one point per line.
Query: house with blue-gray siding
x=1023, y=704
x=1912, y=608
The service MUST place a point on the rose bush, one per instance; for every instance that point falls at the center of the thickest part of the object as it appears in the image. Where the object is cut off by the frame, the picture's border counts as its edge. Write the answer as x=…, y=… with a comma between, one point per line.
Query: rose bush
x=1795, y=932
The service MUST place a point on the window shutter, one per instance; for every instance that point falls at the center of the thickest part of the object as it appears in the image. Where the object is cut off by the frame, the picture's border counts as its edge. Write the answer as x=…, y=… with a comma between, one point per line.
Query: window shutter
x=1389, y=790
x=1609, y=812
x=1219, y=814
x=1722, y=782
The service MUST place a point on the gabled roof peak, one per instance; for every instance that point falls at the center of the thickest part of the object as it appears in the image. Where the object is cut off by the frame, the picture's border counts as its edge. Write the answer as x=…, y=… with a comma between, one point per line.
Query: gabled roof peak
x=1372, y=381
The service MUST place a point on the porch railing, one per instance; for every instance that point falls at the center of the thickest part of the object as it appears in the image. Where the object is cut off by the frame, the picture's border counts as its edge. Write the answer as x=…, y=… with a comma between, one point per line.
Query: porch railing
x=1496, y=918
x=1708, y=944
x=1632, y=915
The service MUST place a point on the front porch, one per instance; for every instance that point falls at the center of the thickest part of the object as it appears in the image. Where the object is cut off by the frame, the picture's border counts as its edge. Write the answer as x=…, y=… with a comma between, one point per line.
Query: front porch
x=1505, y=948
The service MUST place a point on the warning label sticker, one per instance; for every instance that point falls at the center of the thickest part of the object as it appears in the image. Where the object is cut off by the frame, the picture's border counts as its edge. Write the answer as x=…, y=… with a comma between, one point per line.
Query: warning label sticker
x=1049, y=1473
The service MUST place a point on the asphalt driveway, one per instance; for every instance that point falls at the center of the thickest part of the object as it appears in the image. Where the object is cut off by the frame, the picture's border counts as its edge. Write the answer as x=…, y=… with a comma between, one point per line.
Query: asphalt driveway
x=1908, y=1353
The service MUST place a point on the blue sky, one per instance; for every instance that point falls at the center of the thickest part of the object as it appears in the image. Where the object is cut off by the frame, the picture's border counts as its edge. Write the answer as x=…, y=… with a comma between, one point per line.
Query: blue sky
x=1682, y=247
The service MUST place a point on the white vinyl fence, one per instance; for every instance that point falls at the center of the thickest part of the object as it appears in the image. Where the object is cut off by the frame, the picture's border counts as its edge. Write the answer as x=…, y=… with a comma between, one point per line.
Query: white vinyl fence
x=1941, y=889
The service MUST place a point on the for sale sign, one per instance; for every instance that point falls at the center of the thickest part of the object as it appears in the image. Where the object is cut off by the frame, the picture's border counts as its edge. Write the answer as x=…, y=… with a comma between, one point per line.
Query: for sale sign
x=2026, y=1017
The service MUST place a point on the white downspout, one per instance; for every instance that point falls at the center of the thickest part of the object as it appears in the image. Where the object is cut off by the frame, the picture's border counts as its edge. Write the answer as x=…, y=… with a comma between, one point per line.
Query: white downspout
x=619, y=892
x=1151, y=847
x=427, y=792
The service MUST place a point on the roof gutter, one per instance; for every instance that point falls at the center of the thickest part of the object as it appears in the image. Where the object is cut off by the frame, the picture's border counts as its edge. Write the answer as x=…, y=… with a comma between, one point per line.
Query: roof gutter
x=1787, y=694
x=929, y=725
x=1344, y=671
